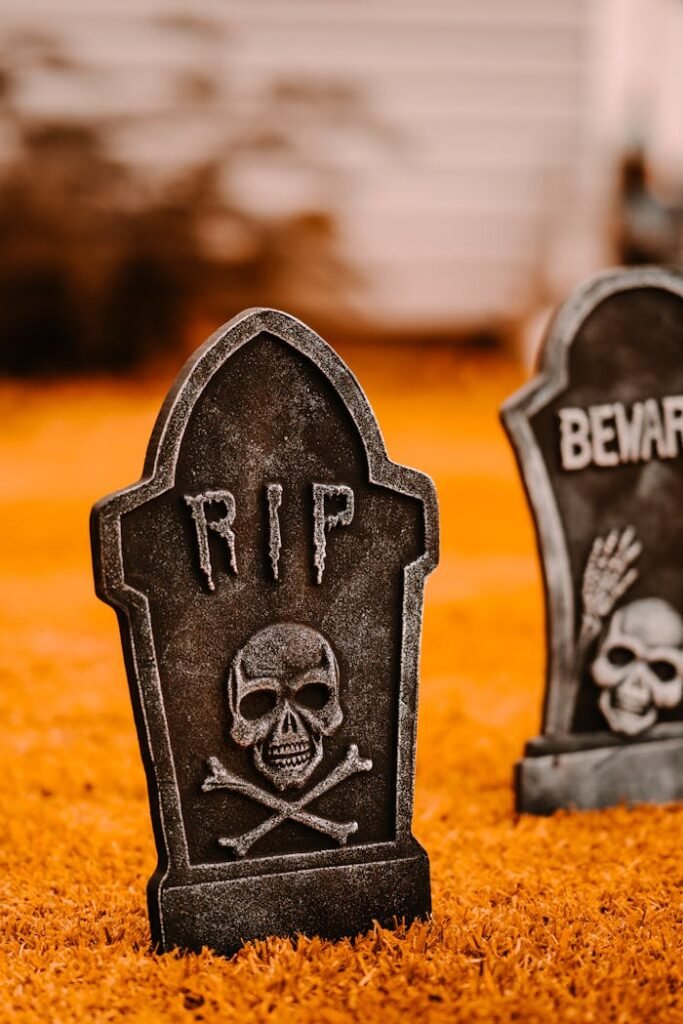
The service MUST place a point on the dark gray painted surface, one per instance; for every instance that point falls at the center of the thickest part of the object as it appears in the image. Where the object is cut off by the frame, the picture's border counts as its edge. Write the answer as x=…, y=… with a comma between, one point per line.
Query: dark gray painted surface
x=267, y=572
x=606, y=502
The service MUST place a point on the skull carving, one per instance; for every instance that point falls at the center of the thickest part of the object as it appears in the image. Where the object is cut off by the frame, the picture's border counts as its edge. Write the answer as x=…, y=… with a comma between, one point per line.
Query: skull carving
x=283, y=690
x=639, y=665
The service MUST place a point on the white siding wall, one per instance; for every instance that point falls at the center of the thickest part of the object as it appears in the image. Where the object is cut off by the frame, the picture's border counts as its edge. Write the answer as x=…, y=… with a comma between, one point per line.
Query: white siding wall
x=452, y=207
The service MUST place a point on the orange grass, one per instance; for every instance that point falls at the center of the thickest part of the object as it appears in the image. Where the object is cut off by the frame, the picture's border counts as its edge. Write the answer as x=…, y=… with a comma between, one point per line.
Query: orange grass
x=573, y=918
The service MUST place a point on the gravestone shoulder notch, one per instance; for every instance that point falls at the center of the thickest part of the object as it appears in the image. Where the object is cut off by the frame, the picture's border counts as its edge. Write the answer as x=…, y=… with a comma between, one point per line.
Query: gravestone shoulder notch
x=598, y=436
x=268, y=572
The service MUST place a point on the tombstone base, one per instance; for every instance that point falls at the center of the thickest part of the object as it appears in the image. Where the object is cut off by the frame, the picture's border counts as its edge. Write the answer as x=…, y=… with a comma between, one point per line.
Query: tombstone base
x=649, y=771
x=331, y=901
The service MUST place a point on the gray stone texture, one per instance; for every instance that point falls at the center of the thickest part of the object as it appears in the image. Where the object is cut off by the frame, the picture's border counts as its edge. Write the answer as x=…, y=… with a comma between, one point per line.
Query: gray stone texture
x=267, y=572
x=598, y=435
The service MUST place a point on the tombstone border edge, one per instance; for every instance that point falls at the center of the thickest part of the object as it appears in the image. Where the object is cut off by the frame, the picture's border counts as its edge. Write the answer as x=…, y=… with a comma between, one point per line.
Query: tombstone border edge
x=541, y=782
x=132, y=607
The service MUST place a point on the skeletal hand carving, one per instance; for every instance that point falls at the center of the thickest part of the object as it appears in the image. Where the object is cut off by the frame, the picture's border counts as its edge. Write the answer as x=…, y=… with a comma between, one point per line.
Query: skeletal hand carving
x=608, y=575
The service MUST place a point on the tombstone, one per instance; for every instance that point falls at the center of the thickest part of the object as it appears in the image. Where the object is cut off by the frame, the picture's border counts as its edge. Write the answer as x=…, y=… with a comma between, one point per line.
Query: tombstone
x=267, y=572
x=599, y=439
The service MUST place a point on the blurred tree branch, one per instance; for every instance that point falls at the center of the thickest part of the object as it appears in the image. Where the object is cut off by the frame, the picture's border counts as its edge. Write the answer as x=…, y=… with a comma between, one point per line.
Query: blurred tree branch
x=102, y=265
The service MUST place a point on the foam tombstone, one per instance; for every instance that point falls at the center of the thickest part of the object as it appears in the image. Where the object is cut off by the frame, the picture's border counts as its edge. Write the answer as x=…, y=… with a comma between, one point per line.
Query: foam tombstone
x=267, y=572
x=598, y=435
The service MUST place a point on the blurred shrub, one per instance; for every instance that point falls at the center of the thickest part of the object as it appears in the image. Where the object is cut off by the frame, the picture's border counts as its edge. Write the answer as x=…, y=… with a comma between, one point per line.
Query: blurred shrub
x=99, y=270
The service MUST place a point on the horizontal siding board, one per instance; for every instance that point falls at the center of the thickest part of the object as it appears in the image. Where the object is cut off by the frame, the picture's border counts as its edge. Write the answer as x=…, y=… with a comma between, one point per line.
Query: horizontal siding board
x=304, y=13
x=449, y=186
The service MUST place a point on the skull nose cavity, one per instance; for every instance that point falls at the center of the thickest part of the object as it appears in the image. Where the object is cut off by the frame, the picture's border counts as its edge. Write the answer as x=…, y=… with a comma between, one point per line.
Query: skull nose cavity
x=634, y=694
x=289, y=724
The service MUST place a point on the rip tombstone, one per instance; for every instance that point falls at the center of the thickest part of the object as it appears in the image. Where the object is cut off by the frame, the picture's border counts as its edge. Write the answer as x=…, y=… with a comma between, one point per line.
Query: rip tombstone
x=267, y=572
x=599, y=440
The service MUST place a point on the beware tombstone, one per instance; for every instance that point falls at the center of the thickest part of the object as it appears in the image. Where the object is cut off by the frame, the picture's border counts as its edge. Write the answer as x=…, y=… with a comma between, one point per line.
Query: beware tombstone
x=267, y=572
x=599, y=440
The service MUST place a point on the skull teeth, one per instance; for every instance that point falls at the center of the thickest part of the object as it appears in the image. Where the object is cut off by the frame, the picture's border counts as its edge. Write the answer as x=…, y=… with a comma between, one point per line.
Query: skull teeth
x=293, y=762
x=289, y=755
x=628, y=702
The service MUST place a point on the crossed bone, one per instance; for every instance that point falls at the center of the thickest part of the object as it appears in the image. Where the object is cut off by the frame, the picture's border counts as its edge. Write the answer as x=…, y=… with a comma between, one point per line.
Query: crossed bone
x=221, y=778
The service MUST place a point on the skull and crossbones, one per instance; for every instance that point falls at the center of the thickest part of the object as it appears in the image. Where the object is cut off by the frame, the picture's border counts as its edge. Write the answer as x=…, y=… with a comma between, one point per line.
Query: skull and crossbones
x=283, y=694
x=639, y=665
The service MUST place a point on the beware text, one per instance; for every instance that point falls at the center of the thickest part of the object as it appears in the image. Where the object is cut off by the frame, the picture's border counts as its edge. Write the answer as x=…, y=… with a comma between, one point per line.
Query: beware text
x=614, y=434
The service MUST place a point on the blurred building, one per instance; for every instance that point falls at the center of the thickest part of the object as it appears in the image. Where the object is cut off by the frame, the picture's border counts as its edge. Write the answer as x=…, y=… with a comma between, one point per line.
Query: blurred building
x=434, y=169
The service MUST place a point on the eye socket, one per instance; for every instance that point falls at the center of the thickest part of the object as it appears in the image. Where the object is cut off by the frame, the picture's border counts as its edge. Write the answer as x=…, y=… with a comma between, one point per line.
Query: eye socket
x=313, y=696
x=664, y=670
x=256, y=704
x=619, y=656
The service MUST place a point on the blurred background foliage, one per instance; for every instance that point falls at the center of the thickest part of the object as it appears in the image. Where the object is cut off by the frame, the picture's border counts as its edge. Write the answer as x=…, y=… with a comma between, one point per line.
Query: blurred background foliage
x=101, y=268
x=445, y=171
